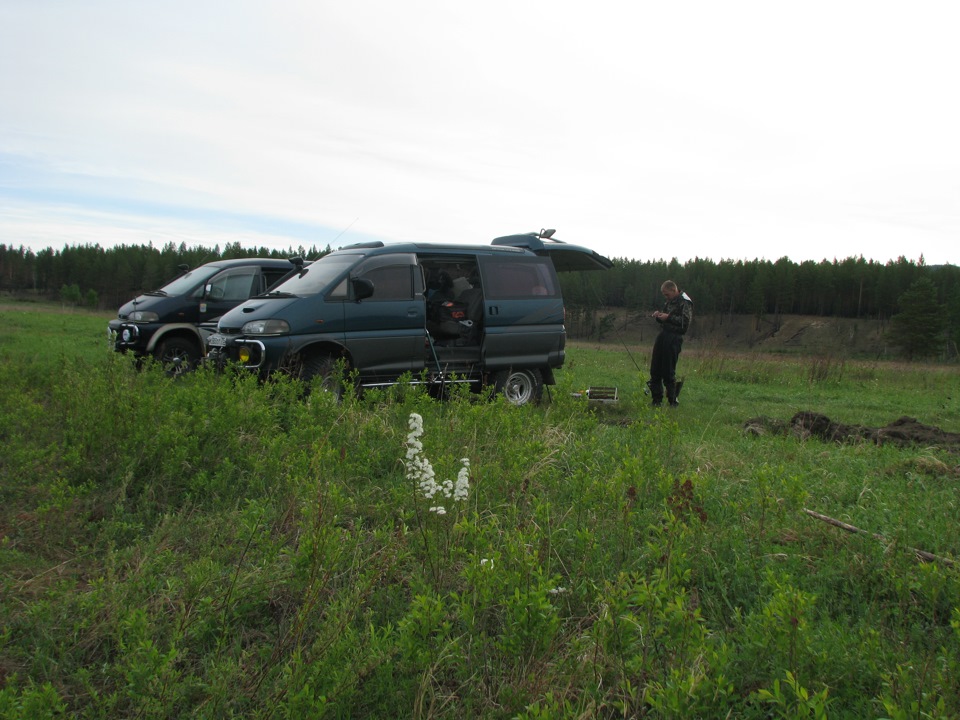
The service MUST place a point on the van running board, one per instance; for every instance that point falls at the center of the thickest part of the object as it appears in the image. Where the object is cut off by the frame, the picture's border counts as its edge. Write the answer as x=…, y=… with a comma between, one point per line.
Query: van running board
x=435, y=380
x=599, y=394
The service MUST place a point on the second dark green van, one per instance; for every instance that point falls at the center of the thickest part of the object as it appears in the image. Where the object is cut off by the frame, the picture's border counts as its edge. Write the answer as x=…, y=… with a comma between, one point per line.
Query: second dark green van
x=437, y=313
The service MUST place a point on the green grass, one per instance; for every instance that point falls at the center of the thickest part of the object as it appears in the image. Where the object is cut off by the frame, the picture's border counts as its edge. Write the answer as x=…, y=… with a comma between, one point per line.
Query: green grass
x=213, y=547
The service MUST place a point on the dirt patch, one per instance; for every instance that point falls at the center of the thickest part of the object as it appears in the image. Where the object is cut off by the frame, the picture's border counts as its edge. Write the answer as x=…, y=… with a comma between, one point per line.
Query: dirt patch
x=903, y=432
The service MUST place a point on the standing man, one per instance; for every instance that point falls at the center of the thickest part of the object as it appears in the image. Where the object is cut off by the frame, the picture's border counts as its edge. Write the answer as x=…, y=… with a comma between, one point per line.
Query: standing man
x=674, y=320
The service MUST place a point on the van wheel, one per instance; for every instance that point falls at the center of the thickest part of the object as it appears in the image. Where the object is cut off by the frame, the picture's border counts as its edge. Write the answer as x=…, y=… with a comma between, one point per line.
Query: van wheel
x=177, y=355
x=325, y=367
x=519, y=387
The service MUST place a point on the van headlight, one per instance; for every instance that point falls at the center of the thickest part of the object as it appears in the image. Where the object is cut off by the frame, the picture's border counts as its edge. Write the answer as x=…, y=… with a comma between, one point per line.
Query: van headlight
x=143, y=316
x=266, y=327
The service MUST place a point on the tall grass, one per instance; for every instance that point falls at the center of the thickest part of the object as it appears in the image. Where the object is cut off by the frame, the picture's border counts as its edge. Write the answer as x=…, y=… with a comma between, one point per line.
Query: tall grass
x=215, y=547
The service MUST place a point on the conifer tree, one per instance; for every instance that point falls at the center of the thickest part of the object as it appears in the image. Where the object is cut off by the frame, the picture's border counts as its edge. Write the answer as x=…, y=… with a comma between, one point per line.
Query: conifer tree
x=918, y=328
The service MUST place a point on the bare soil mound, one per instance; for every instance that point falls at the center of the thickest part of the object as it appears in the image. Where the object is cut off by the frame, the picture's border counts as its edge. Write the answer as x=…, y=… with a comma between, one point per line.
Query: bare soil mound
x=905, y=431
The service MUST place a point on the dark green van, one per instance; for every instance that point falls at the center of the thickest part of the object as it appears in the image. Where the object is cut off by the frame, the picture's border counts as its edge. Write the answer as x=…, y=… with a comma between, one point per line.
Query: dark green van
x=439, y=313
x=169, y=323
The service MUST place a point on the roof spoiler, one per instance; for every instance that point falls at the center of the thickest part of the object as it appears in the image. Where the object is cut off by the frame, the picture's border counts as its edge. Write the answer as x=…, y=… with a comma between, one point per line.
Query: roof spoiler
x=566, y=258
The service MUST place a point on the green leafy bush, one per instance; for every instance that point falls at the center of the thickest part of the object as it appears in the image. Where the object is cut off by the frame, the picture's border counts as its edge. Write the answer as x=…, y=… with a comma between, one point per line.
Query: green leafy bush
x=213, y=546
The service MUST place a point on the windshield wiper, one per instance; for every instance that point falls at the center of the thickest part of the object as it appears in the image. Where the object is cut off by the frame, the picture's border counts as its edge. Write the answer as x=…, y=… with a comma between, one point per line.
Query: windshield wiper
x=157, y=293
x=277, y=294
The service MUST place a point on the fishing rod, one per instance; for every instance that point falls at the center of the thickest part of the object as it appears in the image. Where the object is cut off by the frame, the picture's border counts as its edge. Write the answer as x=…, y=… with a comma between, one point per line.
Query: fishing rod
x=646, y=385
x=629, y=354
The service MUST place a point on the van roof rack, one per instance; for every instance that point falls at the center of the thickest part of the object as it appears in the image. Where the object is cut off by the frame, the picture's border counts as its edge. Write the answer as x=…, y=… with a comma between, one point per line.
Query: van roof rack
x=367, y=244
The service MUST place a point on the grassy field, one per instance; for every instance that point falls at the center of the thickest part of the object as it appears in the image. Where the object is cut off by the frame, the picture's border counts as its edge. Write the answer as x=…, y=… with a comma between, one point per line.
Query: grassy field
x=211, y=547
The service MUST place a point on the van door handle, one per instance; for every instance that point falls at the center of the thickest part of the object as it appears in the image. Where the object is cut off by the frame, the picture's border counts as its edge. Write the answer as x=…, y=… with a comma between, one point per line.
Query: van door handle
x=413, y=312
x=493, y=310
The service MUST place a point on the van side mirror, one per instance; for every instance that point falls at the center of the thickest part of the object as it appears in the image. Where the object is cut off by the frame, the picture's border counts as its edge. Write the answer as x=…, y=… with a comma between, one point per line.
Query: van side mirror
x=212, y=293
x=297, y=263
x=362, y=288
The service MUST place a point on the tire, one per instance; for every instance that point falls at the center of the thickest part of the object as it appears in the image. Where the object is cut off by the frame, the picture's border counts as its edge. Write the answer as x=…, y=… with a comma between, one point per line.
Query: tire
x=177, y=355
x=519, y=387
x=326, y=368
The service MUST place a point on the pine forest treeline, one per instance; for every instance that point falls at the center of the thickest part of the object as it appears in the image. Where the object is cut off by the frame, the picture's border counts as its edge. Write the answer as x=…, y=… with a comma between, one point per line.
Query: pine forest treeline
x=108, y=277
x=849, y=288
x=854, y=287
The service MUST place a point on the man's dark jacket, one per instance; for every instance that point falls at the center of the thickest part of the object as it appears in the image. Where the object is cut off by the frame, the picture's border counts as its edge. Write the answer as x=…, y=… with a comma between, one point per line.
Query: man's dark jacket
x=680, y=310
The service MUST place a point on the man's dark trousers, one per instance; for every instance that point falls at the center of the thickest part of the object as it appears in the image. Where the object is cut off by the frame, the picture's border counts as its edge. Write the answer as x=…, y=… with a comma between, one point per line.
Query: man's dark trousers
x=663, y=366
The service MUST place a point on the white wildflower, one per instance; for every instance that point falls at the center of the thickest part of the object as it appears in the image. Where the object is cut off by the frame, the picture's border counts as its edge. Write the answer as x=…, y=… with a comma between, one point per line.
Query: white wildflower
x=415, y=423
x=462, y=489
x=414, y=446
x=420, y=470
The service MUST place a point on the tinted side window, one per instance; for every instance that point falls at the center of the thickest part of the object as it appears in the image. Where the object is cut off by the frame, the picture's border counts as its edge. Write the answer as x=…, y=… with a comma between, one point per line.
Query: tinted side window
x=234, y=285
x=273, y=275
x=392, y=276
x=393, y=282
x=513, y=278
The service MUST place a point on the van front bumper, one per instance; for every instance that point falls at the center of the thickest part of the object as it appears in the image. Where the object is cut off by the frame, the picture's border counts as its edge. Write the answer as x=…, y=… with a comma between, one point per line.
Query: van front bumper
x=248, y=353
x=130, y=336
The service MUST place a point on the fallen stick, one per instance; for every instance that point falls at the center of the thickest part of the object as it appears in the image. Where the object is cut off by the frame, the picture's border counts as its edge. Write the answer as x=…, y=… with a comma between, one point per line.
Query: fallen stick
x=922, y=554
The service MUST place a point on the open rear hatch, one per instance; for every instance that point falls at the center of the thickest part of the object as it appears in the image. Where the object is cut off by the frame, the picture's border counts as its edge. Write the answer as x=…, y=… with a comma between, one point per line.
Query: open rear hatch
x=566, y=258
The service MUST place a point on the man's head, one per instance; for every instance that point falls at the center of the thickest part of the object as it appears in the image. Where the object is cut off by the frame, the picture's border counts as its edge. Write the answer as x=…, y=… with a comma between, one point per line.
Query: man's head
x=669, y=289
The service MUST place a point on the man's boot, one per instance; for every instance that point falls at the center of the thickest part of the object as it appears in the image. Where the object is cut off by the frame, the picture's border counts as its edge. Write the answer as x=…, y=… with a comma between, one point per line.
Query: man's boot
x=672, y=394
x=656, y=393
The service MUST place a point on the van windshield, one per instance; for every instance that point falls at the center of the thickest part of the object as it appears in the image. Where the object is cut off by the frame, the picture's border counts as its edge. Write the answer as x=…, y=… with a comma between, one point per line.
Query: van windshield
x=189, y=282
x=317, y=276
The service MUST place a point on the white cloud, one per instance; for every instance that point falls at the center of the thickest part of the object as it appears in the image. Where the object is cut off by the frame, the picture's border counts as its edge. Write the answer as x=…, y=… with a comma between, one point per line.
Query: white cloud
x=58, y=225
x=742, y=129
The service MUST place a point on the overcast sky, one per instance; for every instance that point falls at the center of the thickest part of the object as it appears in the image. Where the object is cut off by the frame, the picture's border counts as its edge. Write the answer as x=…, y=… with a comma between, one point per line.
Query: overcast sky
x=644, y=130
